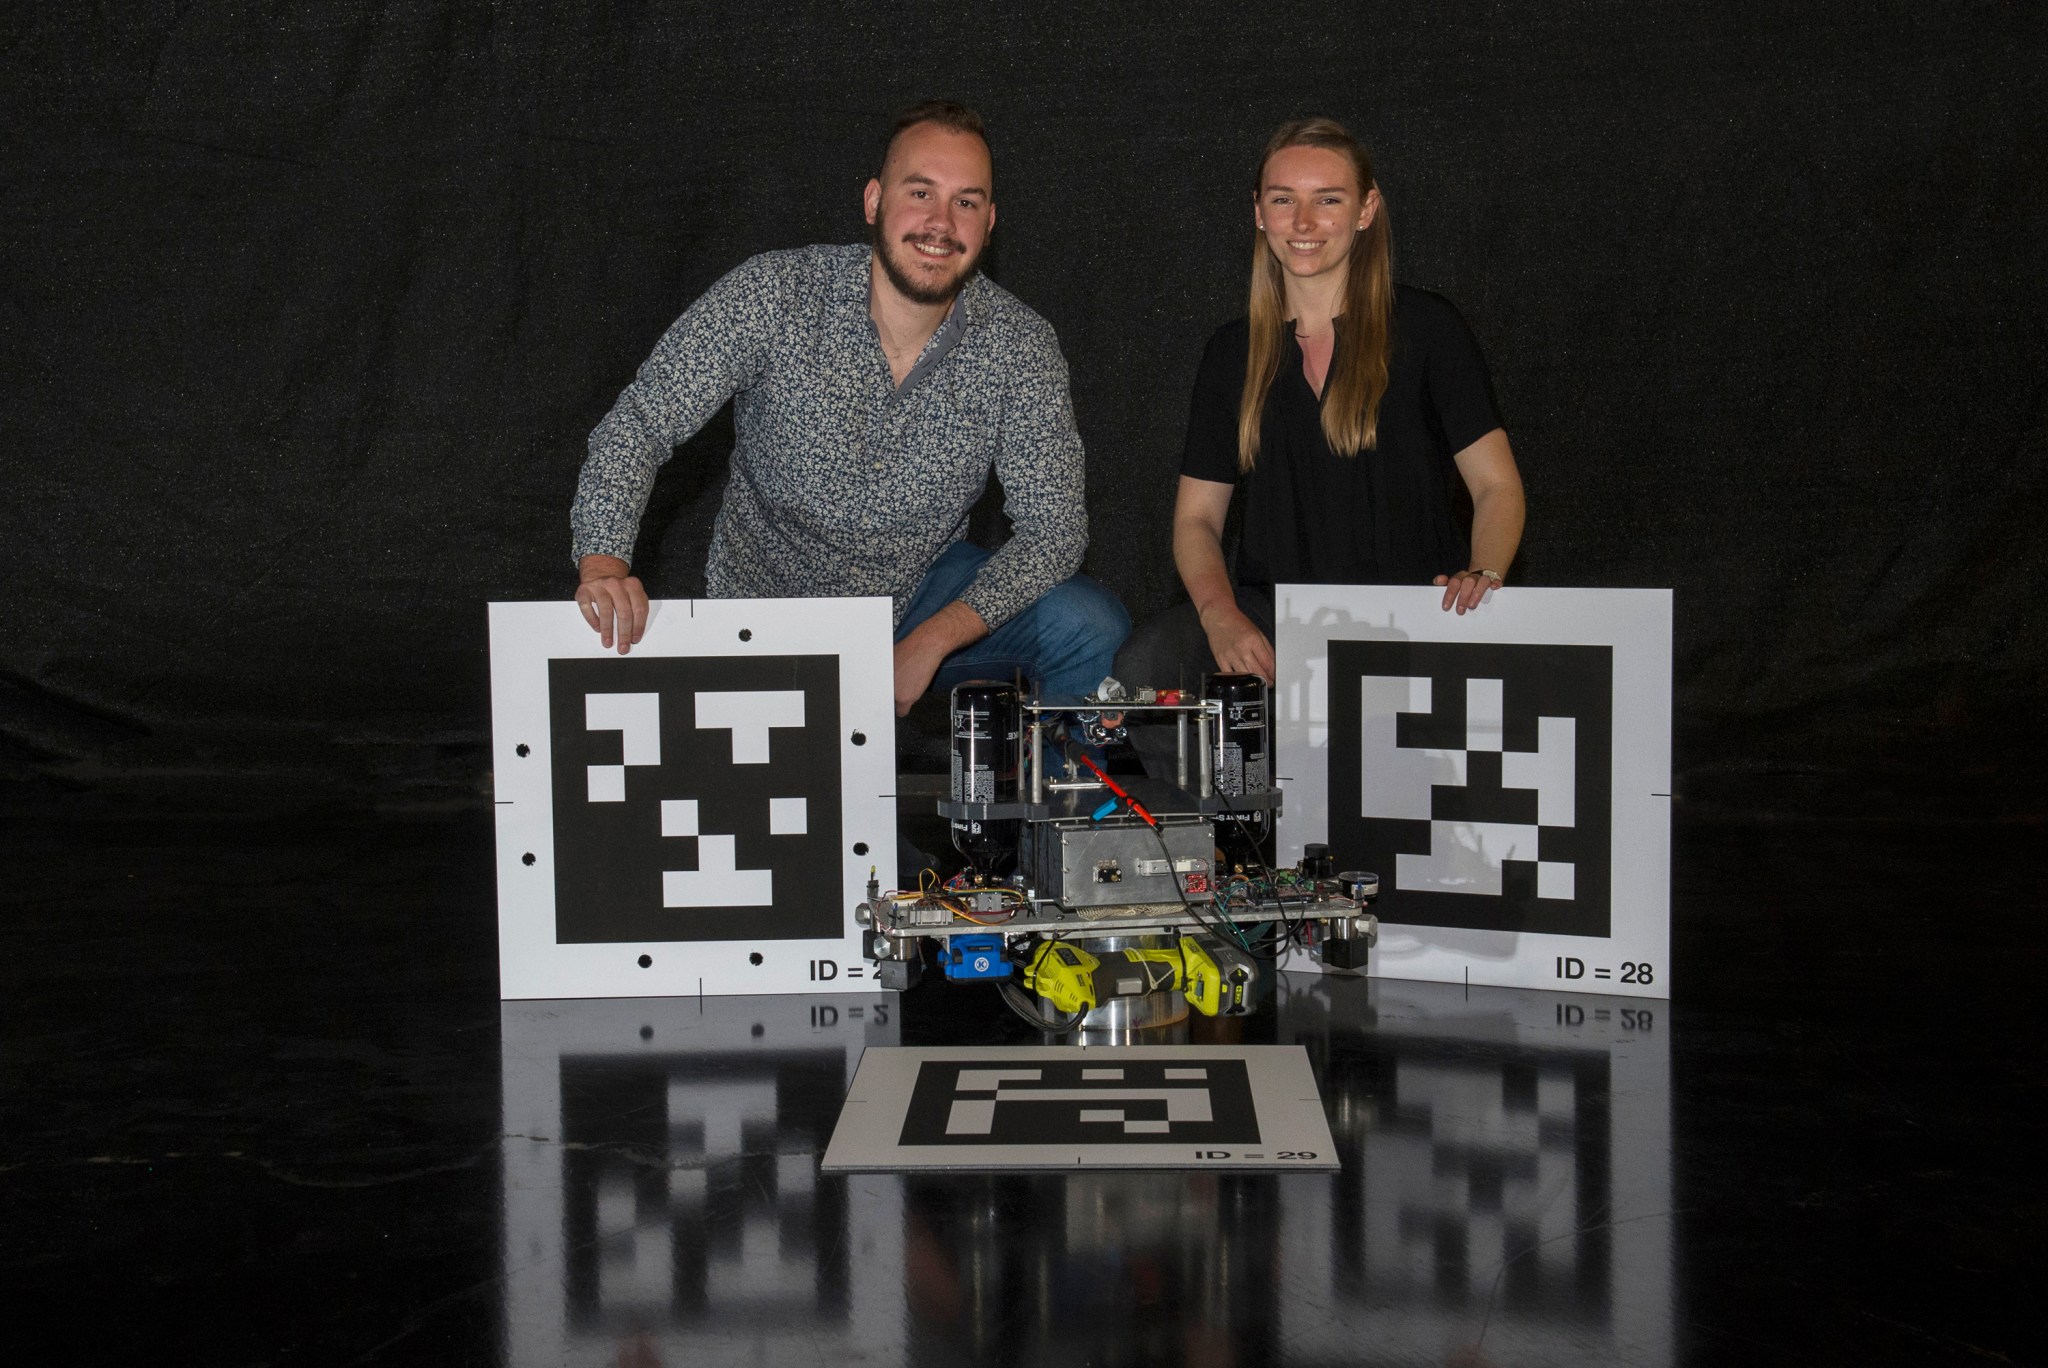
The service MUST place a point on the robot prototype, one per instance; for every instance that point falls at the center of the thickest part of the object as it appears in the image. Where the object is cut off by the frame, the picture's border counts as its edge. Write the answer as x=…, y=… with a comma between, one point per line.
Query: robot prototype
x=1086, y=895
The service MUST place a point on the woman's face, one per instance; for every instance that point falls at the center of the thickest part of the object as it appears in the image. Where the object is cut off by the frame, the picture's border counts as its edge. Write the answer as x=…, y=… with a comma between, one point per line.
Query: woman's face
x=1311, y=210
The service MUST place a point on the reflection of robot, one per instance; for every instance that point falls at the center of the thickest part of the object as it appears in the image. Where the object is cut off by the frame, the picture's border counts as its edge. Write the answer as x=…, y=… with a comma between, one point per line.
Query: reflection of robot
x=1116, y=902
x=1115, y=1268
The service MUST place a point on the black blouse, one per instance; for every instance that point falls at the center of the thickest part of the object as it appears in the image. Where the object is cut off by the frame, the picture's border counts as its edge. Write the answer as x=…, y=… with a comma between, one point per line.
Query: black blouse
x=1380, y=517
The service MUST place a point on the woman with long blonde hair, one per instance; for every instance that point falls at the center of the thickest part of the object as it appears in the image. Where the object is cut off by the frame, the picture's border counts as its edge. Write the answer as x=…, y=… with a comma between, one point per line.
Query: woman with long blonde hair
x=1342, y=406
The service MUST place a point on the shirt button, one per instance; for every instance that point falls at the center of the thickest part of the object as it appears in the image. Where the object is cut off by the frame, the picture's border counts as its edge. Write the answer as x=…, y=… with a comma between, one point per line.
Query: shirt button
x=878, y=465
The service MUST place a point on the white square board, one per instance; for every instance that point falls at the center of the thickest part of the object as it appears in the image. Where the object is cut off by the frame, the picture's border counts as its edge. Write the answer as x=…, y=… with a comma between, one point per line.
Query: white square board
x=1067, y=1107
x=699, y=816
x=1506, y=773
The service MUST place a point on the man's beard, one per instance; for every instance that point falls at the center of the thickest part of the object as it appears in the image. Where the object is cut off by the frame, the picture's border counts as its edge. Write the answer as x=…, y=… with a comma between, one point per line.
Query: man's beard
x=907, y=284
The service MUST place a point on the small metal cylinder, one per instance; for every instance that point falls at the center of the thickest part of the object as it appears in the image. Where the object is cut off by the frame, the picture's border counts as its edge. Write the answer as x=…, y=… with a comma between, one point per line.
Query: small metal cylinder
x=1036, y=753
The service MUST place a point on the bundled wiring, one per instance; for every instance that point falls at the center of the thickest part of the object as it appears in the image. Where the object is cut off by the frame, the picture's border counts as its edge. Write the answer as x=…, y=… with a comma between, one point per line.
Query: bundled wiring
x=1276, y=882
x=930, y=892
x=1222, y=925
x=1020, y=1002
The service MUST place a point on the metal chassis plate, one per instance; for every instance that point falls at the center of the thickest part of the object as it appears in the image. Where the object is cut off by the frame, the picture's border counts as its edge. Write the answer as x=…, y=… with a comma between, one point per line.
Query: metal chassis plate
x=1051, y=918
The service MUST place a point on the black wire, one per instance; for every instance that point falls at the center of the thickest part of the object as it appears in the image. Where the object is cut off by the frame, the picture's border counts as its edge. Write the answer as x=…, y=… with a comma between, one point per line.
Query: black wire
x=1272, y=879
x=1174, y=875
x=1021, y=1005
x=1294, y=927
x=1189, y=907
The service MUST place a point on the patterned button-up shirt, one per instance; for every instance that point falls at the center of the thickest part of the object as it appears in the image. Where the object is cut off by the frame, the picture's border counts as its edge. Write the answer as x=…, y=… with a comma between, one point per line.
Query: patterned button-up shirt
x=843, y=482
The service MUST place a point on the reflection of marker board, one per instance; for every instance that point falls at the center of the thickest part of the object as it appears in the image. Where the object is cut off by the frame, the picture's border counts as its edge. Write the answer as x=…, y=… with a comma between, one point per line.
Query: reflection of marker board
x=698, y=816
x=1046, y=1107
x=1506, y=773
x=1506, y=1168
x=660, y=1184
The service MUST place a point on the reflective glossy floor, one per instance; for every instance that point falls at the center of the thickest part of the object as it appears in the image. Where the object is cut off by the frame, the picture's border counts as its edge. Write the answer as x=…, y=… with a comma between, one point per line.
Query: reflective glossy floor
x=263, y=1106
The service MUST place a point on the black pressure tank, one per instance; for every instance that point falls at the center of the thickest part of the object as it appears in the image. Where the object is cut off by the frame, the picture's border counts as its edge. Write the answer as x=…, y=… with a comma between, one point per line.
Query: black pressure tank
x=1241, y=753
x=987, y=721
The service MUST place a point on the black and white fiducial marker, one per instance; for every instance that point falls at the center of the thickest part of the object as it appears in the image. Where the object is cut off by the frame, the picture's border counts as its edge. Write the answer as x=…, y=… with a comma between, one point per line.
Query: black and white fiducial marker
x=1506, y=773
x=1054, y=1107
x=700, y=815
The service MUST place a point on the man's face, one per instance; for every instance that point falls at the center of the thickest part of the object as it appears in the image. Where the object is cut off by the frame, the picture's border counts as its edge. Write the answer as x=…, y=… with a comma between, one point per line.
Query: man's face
x=1310, y=209
x=932, y=211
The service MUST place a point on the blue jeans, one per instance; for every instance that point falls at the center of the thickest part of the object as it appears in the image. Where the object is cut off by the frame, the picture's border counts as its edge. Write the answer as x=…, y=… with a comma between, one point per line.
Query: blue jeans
x=1066, y=641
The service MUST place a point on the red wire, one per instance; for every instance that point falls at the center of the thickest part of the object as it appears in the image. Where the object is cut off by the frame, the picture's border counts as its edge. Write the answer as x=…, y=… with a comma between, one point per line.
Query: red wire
x=1118, y=790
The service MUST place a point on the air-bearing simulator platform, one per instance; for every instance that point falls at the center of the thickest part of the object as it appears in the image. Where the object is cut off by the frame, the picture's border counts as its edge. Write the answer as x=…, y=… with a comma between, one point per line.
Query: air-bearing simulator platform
x=1113, y=903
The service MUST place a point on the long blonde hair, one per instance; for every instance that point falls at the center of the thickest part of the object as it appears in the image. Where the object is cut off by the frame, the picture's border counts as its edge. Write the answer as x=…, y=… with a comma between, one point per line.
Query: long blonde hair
x=1365, y=329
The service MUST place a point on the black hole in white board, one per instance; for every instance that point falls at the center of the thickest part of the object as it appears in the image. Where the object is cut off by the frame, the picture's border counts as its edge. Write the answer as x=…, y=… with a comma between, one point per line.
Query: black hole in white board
x=647, y=1033
x=527, y=858
x=522, y=750
x=754, y=958
x=746, y=634
x=646, y=961
x=860, y=738
x=757, y=1032
x=860, y=847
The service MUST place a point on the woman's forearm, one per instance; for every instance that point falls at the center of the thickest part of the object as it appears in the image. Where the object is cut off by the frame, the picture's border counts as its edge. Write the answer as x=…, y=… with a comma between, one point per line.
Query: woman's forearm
x=1198, y=555
x=1497, y=515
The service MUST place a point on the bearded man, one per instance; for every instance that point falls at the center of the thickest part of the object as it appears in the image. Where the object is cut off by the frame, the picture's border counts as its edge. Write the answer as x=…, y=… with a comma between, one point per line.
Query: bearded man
x=875, y=387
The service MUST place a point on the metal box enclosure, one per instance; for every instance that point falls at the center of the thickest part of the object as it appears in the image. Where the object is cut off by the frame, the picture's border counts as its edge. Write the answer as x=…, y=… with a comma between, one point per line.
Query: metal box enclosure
x=1081, y=863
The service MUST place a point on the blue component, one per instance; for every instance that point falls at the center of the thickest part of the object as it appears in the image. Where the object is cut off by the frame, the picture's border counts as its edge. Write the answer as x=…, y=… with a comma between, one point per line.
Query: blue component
x=976, y=957
x=1108, y=807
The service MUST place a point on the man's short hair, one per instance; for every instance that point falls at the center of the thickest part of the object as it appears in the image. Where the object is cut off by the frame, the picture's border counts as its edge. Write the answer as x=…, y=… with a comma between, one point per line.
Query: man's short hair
x=946, y=113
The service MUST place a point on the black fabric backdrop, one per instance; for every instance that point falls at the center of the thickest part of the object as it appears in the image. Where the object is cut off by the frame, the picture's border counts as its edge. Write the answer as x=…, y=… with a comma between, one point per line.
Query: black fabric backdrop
x=308, y=309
